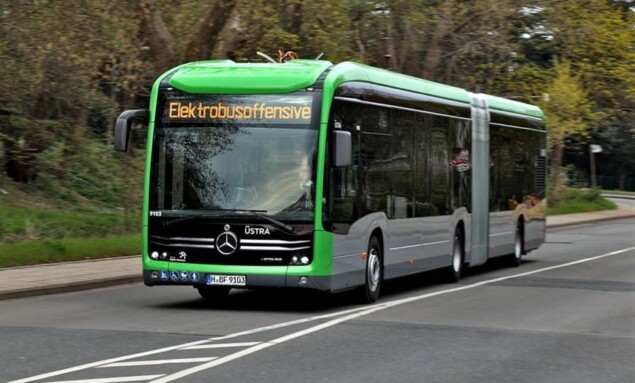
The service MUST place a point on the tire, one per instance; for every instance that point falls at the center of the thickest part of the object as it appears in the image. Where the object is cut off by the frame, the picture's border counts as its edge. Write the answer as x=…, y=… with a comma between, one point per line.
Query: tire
x=455, y=271
x=374, y=274
x=516, y=258
x=213, y=294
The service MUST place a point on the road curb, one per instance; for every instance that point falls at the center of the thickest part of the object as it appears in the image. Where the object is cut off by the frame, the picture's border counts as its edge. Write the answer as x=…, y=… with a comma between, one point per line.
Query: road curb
x=69, y=287
x=93, y=260
x=584, y=222
x=618, y=196
x=137, y=277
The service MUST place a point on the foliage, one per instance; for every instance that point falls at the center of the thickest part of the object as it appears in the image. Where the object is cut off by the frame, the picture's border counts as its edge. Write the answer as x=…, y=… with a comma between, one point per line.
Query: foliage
x=68, y=71
x=596, y=40
x=568, y=201
x=568, y=108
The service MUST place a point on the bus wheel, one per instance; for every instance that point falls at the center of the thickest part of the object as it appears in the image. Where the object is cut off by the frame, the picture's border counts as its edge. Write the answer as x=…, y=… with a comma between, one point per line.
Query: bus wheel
x=374, y=272
x=516, y=258
x=458, y=258
x=213, y=293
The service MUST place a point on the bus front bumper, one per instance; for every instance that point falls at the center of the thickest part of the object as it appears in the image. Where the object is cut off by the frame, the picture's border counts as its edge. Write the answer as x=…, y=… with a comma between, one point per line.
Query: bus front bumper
x=189, y=278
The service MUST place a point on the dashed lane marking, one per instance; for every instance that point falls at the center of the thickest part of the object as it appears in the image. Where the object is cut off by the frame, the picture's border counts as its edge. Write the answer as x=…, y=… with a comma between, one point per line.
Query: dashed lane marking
x=141, y=378
x=158, y=362
x=180, y=346
x=375, y=308
x=219, y=345
x=340, y=316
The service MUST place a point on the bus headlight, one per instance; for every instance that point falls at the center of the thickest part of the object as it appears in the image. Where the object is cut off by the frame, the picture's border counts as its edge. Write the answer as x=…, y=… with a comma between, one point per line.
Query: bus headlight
x=154, y=255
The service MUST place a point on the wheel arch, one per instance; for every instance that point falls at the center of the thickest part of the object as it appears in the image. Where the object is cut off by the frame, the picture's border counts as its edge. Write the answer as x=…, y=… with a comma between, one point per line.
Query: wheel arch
x=379, y=234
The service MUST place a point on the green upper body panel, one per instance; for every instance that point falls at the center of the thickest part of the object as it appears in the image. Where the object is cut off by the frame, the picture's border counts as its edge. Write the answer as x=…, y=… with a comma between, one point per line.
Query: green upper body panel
x=228, y=77
x=349, y=71
x=506, y=105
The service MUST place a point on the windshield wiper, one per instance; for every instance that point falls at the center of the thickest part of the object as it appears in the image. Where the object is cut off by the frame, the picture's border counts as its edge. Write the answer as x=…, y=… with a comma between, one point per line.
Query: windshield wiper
x=275, y=222
x=182, y=219
x=257, y=213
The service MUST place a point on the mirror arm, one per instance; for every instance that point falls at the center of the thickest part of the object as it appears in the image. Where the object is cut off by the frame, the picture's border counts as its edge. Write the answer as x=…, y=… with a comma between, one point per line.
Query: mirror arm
x=123, y=126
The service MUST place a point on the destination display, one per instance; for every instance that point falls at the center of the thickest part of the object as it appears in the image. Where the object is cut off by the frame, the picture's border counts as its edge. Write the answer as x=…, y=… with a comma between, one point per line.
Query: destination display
x=272, y=109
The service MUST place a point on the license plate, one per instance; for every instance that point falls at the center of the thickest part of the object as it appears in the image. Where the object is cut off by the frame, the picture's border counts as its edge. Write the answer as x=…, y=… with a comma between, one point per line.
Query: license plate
x=227, y=280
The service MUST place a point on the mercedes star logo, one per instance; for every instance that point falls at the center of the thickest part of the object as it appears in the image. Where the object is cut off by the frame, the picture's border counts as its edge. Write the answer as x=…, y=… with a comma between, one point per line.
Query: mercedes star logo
x=227, y=243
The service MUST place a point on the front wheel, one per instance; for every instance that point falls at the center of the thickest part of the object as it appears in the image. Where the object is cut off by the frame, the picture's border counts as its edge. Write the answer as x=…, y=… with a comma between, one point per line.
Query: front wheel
x=458, y=258
x=374, y=272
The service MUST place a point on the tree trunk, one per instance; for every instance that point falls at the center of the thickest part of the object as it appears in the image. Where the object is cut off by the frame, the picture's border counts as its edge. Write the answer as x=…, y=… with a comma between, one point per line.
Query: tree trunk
x=233, y=38
x=391, y=52
x=204, y=36
x=360, y=45
x=434, y=51
x=556, y=161
x=157, y=36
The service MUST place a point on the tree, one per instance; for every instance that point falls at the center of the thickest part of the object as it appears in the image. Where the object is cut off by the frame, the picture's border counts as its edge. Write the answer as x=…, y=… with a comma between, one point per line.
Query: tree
x=53, y=71
x=596, y=38
x=61, y=75
x=475, y=44
x=199, y=43
x=568, y=111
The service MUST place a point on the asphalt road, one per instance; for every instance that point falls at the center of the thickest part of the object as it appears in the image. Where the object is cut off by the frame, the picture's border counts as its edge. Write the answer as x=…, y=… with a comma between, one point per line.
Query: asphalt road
x=626, y=200
x=566, y=315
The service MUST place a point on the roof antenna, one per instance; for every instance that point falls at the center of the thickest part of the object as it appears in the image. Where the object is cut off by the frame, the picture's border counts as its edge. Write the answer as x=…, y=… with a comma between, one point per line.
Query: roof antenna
x=320, y=56
x=266, y=57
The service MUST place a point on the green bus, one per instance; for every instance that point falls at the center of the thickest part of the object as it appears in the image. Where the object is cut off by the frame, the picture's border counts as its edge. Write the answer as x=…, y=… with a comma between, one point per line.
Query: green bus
x=311, y=175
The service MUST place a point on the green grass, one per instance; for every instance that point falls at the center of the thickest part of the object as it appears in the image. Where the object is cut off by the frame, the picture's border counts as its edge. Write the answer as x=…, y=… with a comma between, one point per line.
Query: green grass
x=19, y=224
x=69, y=249
x=33, y=235
x=84, y=204
x=569, y=201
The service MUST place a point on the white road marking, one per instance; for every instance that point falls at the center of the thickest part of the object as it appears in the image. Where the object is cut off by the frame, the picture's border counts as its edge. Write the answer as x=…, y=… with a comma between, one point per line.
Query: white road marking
x=172, y=348
x=141, y=378
x=220, y=345
x=107, y=361
x=345, y=315
x=378, y=307
x=157, y=362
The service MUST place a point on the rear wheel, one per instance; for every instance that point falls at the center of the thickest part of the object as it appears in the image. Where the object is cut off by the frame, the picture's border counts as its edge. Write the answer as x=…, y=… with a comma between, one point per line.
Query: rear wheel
x=458, y=257
x=516, y=258
x=213, y=293
x=374, y=272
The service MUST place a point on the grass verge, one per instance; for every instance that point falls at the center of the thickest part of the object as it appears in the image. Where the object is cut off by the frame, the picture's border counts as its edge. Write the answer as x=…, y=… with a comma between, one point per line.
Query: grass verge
x=570, y=201
x=71, y=249
x=23, y=224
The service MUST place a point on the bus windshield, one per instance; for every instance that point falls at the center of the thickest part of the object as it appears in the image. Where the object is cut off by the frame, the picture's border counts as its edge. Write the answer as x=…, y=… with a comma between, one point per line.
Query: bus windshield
x=232, y=166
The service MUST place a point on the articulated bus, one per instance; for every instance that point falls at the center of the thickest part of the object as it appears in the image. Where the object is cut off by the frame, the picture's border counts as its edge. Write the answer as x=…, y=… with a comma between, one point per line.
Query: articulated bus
x=311, y=175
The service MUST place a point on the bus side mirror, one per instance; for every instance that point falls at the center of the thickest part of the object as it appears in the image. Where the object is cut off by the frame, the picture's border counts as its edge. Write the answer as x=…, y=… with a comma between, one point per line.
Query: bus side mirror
x=123, y=126
x=342, y=149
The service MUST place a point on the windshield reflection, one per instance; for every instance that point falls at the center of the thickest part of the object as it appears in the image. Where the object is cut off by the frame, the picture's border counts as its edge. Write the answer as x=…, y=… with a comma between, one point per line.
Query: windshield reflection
x=234, y=168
